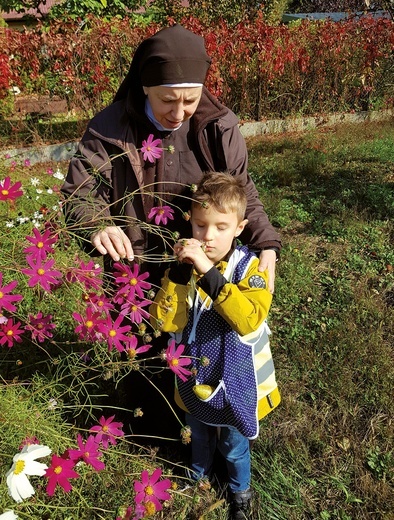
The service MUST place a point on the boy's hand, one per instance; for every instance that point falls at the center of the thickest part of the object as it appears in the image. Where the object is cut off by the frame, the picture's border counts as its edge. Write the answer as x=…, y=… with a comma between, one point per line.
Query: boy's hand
x=190, y=251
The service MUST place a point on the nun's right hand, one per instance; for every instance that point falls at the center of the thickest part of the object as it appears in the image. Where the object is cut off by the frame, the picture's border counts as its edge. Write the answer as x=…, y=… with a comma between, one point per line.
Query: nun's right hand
x=113, y=241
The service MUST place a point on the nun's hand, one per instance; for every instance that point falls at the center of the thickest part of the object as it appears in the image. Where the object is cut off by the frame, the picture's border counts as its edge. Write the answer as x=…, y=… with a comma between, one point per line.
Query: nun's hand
x=113, y=241
x=267, y=260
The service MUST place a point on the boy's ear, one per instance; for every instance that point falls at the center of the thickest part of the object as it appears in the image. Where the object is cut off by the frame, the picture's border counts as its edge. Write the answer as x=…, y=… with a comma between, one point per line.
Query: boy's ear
x=241, y=227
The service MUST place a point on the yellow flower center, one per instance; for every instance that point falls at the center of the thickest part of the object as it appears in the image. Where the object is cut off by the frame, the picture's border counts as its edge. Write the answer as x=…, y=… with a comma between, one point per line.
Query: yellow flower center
x=131, y=352
x=4, y=192
x=19, y=467
x=133, y=281
x=58, y=470
x=10, y=332
x=89, y=324
x=161, y=211
x=40, y=326
x=134, y=308
x=100, y=303
x=105, y=428
x=174, y=362
x=150, y=509
x=40, y=245
x=40, y=271
x=86, y=454
x=112, y=333
x=1, y=294
x=149, y=490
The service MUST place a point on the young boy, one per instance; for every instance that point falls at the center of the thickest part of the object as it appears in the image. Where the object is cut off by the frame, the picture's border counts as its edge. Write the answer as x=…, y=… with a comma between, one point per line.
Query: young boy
x=215, y=301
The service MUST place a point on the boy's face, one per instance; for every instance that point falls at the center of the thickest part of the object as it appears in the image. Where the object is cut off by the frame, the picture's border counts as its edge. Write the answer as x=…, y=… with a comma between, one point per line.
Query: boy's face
x=217, y=230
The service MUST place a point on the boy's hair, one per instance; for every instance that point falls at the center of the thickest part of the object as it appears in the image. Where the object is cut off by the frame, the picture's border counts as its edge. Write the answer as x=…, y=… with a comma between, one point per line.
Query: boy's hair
x=223, y=191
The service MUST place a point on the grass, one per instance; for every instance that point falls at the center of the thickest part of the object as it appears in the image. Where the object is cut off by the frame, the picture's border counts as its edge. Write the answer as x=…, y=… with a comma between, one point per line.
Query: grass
x=326, y=453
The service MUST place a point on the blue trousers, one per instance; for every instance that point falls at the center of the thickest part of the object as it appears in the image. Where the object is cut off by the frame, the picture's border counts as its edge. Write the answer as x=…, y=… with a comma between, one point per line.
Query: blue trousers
x=233, y=446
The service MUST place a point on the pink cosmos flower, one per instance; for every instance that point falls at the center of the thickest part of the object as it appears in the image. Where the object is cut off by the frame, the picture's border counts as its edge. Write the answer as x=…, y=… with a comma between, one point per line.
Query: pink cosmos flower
x=99, y=302
x=87, y=274
x=88, y=328
x=132, y=349
x=42, y=273
x=161, y=214
x=40, y=327
x=27, y=162
x=150, y=149
x=107, y=431
x=7, y=299
x=151, y=490
x=28, y=441
x=175, y=362
x=131, y=278
x=42, y=244
x=133, y=308
x=9, y=332
x=10, y=191
x=114, y=333
x=88, y=452
x=59, y=473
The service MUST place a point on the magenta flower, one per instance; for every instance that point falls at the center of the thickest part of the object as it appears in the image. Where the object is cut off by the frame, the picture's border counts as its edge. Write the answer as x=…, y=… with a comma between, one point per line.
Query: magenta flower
x=42, y=244
x=87, y=274
x=175, y=362
x=28, y=441
x=9, y=332
x=88, y=452
x=59, y=473
x=88, y=328
x=131, y=278
x=107, y=431
x=40, y=327
x=42, y=273
x=151, y=490
x=27, y=163
x=99, y=302
x=132, y=349
x=114, y=333
x=150, y=149
x=161, y=214
x=7, y=299
x=10, y=191
x=133, y=308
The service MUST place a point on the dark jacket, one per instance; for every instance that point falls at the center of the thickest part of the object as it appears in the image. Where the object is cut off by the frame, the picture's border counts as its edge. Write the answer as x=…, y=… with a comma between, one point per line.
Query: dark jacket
x=108, y=166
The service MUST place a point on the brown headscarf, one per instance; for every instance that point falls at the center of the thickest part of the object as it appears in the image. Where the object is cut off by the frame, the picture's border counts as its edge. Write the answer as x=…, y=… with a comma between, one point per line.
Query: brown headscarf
x=172, y=55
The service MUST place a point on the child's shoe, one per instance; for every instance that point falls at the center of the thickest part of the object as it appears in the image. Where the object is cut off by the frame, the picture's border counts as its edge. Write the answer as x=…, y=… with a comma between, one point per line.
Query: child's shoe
x=240, y=505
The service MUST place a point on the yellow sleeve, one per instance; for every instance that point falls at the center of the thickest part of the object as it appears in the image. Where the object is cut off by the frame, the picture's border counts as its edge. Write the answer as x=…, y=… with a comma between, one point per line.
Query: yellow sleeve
x=245, y=305
x=169, y=311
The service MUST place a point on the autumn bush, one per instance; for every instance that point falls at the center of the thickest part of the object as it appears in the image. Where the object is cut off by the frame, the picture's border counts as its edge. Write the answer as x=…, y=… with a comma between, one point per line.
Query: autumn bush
x=259, y=70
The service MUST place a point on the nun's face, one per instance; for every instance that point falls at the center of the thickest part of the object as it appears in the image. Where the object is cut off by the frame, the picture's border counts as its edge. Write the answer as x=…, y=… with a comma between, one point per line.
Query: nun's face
x=172, y=106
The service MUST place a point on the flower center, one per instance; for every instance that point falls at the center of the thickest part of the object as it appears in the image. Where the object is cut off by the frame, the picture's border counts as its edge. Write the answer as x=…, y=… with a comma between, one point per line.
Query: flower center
x=174, y=362
x=4, y=192
x=133, y=281
x=58, y=470
x=100, y=303
x=40, y=271
x=131, y=352
x=161, y=212
x=1, y=294
x=40, y=245
x=134, y=308
x=86, y=454
x=112, y=333
x=150, y=508
x=10, y=332
x=89, y=324
x=105, y=428
x=40, y=326
x=149, y=490
x=19, y=467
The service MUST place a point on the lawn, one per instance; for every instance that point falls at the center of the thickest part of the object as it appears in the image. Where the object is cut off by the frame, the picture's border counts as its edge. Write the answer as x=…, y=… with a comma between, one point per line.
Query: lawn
x=327, y=451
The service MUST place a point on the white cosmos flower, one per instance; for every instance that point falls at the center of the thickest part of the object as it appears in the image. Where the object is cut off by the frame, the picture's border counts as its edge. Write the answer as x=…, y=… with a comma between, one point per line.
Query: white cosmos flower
x=24, y=463
x=8, y=515
x=58, y=175
x=34, y=181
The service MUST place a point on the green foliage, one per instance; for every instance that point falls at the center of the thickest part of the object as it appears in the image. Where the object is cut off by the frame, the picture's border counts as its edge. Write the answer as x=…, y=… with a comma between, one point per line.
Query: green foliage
x=79, y=9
